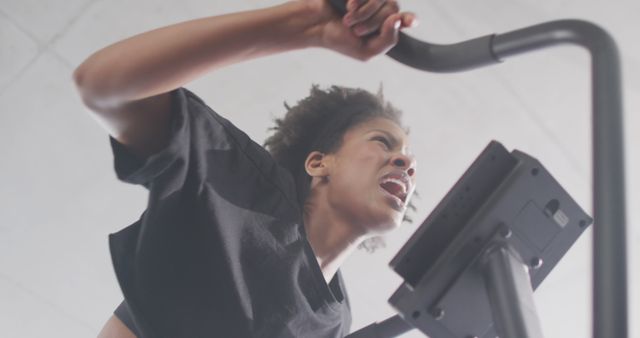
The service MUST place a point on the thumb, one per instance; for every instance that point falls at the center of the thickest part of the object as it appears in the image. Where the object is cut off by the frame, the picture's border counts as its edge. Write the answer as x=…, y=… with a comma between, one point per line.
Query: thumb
x=388, y=36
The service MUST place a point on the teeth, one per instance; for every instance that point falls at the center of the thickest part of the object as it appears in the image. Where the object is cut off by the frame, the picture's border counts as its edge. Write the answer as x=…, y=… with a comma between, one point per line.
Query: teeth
x=398, y=182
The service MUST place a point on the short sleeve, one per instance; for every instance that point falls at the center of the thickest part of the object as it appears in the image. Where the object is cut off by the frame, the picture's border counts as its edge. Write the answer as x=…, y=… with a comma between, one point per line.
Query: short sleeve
x=123, y=313
x=131, y=169
x=219, y=209
x=201, y=141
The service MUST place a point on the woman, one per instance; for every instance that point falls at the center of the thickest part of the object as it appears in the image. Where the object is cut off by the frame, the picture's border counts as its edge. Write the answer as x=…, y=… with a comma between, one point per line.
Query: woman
x=235, y=241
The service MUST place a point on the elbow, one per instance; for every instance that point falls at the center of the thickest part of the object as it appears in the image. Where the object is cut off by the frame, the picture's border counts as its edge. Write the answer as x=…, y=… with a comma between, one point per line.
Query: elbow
x=82, y=79
x=87, y=88
x=79, y=78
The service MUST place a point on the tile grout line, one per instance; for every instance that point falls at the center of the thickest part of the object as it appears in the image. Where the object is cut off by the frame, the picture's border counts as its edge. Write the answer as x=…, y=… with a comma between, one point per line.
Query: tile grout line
x=21, y=28
x=20, y=73
x=62, y=60
x=24, y=68
x=43, y=46
x=46, y=301
x=68, y=23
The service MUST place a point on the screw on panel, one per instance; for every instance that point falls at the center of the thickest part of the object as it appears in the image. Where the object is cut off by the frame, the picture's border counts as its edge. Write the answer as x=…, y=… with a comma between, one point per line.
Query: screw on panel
x=535, y=262
x=437, y=313
x=505, y=232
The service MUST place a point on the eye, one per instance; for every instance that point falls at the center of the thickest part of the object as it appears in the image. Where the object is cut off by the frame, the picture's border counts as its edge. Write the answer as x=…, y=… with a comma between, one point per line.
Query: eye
x=383, y=140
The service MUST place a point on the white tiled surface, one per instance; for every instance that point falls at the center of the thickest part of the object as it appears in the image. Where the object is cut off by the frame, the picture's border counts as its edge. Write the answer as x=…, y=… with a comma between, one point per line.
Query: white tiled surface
x=59, y=197
x=19, y=50
x=44, y=19
x=33, y=316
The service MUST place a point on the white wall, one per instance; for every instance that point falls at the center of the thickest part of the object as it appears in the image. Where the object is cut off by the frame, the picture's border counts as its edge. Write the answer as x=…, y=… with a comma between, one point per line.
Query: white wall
x=59, y=198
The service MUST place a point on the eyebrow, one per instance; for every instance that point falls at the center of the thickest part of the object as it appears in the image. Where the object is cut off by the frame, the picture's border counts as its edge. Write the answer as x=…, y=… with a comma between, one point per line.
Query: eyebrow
x=394, y=140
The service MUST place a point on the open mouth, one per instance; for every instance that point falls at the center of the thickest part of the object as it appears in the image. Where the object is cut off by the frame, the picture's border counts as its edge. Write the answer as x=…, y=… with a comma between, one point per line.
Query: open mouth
x=396, y=188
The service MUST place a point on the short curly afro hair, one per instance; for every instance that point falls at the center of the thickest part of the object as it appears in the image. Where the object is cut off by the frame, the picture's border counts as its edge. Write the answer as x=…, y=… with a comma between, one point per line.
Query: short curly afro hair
x=318, y=123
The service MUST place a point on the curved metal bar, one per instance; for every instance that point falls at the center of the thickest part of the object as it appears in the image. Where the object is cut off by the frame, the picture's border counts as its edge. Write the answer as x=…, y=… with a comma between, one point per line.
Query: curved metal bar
x=466, y=55
x=609, y=246
x=430, y=57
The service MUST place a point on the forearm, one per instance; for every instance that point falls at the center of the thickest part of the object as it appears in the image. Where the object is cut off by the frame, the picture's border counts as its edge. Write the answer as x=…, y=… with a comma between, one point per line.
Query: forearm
x=158, y=61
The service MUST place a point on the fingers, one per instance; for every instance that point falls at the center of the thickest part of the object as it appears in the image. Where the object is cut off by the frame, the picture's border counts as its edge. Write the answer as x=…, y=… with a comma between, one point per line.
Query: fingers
x=388, y=36
x=389, y=30
x=374, y=22
x=409, y=20
x=362, y=10
x=367, y=16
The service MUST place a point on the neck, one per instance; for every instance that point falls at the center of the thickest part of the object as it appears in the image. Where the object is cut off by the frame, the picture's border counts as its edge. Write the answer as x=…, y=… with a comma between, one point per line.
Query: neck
x=332, y=238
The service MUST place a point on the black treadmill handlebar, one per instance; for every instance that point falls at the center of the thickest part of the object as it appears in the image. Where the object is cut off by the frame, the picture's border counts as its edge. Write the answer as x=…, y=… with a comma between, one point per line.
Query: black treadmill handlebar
x=437, y=58
x=490, y=49
x=609, y=208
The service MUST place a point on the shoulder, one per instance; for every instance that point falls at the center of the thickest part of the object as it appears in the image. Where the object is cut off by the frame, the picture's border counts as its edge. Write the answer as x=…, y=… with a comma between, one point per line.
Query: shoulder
x=115, y=328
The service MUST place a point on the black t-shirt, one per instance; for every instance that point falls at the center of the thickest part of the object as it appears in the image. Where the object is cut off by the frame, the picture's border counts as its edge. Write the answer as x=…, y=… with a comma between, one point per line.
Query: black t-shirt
x=221, y=249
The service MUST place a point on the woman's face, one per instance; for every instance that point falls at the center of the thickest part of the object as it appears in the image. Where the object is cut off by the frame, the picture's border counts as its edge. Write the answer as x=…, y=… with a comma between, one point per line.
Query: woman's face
x=372, y=175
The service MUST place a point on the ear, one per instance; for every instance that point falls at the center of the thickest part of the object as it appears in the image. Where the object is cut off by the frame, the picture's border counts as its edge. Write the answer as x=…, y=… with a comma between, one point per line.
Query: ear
x=316, y=164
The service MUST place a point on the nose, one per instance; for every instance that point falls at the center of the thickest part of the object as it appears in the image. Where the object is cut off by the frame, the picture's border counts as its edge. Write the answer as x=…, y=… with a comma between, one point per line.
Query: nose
x=405, y=162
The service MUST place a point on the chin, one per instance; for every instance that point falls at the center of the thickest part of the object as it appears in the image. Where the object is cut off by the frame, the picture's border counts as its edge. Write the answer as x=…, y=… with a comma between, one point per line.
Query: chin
x=378, y=217
x=386, y=222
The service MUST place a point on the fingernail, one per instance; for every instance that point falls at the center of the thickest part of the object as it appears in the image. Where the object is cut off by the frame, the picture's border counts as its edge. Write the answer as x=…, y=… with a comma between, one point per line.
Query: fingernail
x=415, y=23
x=350, y=4
x=396, y=25
x=347, y=19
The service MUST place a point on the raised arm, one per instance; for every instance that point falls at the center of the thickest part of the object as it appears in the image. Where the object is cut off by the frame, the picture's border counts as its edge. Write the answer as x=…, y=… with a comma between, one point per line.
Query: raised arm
x=126, y=83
